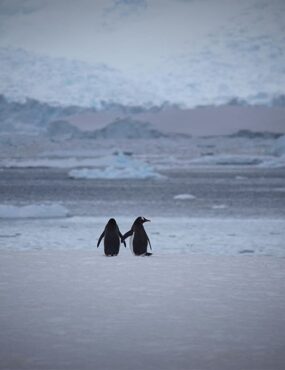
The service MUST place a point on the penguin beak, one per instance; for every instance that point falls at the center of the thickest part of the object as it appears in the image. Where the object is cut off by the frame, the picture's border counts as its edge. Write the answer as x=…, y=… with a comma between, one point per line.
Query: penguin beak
x=146, y=220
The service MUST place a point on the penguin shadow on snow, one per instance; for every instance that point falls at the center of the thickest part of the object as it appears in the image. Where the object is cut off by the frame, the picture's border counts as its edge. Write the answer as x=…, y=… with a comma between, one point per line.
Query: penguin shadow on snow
x=112, y=238
x=139, y=239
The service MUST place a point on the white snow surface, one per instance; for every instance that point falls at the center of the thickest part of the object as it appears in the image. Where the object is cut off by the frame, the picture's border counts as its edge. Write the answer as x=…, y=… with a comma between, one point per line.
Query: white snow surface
x=168, y=235
x=79, y=310
x=48, y=210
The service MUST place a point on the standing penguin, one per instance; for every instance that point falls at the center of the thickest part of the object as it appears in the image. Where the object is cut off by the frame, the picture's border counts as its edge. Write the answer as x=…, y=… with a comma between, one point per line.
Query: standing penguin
x=112, y=238
x=139, y=239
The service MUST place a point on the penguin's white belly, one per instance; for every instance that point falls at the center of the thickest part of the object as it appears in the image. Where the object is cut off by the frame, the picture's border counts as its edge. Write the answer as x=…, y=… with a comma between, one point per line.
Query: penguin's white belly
x=132, y=243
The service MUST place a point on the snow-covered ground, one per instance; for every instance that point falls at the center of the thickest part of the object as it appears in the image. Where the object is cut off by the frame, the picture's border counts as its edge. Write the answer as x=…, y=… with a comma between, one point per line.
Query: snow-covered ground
x=168, y=235
x=79, y=310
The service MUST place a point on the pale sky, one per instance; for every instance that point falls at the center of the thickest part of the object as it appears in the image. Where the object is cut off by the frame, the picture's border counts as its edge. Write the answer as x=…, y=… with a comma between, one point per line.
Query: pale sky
x=186, y=48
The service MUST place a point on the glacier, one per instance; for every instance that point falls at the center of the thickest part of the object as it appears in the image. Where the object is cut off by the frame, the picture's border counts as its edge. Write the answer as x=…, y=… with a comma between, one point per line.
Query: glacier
x=185, y=81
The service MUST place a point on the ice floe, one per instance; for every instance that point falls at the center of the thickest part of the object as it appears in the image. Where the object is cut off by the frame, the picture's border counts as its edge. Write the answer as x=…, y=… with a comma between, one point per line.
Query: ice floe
x=264, y=161
x=184, y=197
x=229, y=160
x=48, y=162
x=273, y=162
x=44, y=210
x=219, y=206
x=279, y=146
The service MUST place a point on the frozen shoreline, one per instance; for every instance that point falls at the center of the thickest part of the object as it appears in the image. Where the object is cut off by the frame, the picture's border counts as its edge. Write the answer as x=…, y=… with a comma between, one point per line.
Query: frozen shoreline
x=168, y=235
x=80, y=310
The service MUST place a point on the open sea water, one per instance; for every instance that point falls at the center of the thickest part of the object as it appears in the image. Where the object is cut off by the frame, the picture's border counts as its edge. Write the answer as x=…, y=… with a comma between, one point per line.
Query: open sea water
x=223, y=191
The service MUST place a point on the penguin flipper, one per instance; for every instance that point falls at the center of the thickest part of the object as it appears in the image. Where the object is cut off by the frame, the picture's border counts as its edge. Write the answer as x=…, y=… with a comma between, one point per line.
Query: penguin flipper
x=149, y=243
x=101, y=237
x=122, y=239
x=129, y=233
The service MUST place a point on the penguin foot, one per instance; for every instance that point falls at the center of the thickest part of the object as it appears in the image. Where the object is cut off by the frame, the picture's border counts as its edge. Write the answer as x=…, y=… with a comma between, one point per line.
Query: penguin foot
x=147, y=254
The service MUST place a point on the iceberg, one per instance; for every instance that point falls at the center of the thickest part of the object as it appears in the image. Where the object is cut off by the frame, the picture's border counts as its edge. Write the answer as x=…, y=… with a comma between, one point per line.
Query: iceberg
x=117, y=166
x=62, y=130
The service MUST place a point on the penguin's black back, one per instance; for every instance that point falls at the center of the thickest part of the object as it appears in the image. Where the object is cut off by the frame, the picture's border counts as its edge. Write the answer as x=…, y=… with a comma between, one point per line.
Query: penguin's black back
x=112, y=238
x=140, y=240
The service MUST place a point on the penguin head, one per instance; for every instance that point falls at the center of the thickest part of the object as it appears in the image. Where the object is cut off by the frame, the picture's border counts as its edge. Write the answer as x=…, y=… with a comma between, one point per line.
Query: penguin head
x=112, y=222
x=141, y=220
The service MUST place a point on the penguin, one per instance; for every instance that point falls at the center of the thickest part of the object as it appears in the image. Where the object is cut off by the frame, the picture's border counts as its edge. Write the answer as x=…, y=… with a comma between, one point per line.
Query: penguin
x=112, y=238
x=139, y=239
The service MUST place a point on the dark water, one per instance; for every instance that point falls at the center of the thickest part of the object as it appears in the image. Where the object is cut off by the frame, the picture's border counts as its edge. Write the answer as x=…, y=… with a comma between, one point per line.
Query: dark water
x=243, y=192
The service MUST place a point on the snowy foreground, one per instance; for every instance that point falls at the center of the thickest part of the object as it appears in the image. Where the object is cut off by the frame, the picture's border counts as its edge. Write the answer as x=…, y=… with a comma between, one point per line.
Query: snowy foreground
x=81, y=310
x=168, y=235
